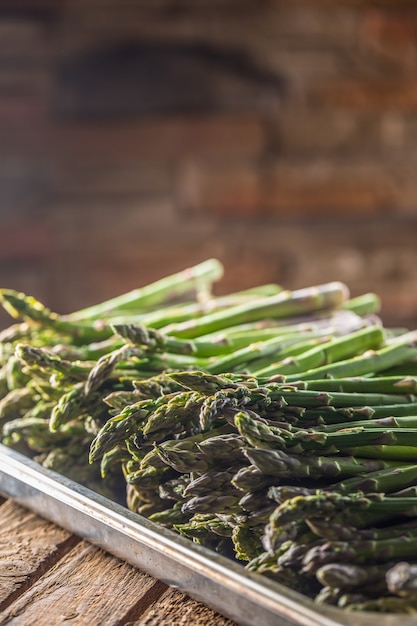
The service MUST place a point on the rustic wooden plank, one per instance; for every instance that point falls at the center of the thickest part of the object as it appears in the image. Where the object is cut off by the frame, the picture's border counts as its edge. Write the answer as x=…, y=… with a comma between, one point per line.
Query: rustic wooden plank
x=176, y=609
x=29, y=545
x=87, y=586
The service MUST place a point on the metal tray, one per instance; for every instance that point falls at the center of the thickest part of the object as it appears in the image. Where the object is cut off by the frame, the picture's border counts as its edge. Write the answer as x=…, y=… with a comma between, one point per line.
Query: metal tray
x=247, y=598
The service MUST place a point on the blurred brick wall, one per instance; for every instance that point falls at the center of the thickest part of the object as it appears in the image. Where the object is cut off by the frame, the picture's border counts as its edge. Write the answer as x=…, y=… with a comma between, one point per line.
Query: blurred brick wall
x=139, y=137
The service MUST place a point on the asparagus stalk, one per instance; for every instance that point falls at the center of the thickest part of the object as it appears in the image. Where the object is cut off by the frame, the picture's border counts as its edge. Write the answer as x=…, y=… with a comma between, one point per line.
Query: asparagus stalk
x=402, y=579
x=360, y=552
x=223, y=503
x=175, y=313
x=350, y=575
x=332, y=351
x=335, y=415
x=290, y=351
x=245, y=356
x=45, y=359
x=364, y=384
x=407, y=421
x=383, y=604
x=200, y=525
x=199, y=277
x=280, y=464
x=349, y=438
x=389, y=452
x=386, y=480
x=119, y=428
x=373, y=361
x=364, y=304
x=337, y=399
x=336, y=322
x=283, y=305
x=210, y=481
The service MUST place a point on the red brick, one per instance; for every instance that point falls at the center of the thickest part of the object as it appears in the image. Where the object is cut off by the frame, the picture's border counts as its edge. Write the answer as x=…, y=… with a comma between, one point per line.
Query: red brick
x=20, y=111
x=25, y=241
x=158, y=138
x=34, y=6
x=22, y=42
x=115, y=180
x=305, y=130
x=148, y=140
x=325, y=200
x=353, y=3
x=24, y=111
x=327, y=187
x=392, y=35
x=228, y=188
x=110, y=225
x=370, y=94
x=296, y=187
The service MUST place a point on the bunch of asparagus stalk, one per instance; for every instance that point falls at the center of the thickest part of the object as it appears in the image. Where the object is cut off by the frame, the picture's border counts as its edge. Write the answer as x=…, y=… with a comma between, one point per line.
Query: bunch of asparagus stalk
x=276, y=427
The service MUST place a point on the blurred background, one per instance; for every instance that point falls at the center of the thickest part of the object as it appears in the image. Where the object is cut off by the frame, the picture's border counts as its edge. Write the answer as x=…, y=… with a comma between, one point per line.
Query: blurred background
x=140, y=137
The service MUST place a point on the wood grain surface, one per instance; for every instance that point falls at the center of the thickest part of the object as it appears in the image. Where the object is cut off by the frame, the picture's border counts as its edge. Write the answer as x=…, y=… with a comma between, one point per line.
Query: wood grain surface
x=50, y=577
x=86, y=584
x=29, y=546
x=176, y=609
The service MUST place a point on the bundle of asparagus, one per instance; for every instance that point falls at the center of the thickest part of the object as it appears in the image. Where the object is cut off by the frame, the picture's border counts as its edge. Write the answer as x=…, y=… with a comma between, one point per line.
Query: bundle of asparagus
x=277, y=427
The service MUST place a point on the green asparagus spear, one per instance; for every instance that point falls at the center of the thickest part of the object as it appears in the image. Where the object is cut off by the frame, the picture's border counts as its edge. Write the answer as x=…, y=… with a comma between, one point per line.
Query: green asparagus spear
x=332, y=351
x=373, y=361
x=198, y=277
x=284, y=304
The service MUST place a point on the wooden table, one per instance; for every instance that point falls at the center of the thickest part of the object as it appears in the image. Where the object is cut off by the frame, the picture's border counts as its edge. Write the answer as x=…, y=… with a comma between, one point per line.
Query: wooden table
x=49, y=576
